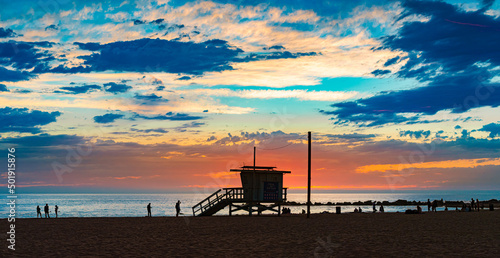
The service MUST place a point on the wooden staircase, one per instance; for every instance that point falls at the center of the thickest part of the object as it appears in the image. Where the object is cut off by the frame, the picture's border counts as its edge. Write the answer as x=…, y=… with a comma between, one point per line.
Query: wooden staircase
x=218, y=200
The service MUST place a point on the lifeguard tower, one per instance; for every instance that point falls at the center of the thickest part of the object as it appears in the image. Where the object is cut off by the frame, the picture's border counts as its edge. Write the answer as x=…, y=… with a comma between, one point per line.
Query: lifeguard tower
x=260, y=186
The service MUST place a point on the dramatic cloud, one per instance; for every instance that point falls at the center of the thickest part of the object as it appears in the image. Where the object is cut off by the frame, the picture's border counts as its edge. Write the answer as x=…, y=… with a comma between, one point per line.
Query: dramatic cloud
x=138, y=22
x=453, y=52
x=22, y=120
x=45, y=140
x=149, y=99
x=7, y=33
x=380, y=72
x=25, y=55
x=169, y=116
x=452, y=40
x=81, y=89
x=52, y=27
x=171, y=56
x=493, y=129
x=276, y=47
x=157, y=130
x=415, y=134
x=7, y=75
x=107, y=118
x=116, y=88
x=277, y=55
x=3, y=87
x=352, y=136
x=268, y=141
x=184, y=127
x=157, y=55
x=184, y=78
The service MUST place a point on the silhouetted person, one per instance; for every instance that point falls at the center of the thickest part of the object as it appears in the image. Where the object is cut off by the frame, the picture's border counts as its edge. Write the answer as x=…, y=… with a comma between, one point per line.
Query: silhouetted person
x=419, y=209
x=374, y=209
x=38, y=211
x=382, y=208
x=356, y=210
x=360, y=210
x=434, y=205
x=472, y=206
x=56, y=209
x=177, y=208
x=477, y=204
x=428, y=205
x=149, y=210
x=46, y=209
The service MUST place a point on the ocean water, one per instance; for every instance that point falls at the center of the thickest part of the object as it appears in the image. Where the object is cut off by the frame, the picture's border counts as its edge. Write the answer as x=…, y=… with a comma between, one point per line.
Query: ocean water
x=134, y=205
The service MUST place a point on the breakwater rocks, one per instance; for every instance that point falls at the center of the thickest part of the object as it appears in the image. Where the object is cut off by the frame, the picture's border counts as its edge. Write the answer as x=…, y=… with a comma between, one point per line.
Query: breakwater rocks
x=441, y=202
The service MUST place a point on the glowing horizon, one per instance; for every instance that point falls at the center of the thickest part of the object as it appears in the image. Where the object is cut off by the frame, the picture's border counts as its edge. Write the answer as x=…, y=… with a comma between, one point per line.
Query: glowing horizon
x=170, y=95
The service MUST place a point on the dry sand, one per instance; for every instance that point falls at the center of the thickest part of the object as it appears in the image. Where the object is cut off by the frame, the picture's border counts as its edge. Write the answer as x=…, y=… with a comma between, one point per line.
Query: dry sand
x=474, y=234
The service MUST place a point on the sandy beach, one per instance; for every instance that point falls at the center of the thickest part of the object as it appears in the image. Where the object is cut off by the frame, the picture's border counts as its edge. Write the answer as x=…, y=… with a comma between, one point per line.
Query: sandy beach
x=323, y=235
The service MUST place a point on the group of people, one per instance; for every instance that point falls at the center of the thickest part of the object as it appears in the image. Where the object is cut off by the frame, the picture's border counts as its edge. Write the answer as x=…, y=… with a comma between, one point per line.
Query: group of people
x=432, y=205
x=375, y=208
x=177, y=209
x=46, y=210
x=473, y=206
x=286, y=211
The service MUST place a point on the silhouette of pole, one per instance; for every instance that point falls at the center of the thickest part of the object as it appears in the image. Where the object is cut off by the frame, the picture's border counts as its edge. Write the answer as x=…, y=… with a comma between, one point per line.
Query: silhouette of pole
x=253, y=181
x=309, y=175
x=254, y=149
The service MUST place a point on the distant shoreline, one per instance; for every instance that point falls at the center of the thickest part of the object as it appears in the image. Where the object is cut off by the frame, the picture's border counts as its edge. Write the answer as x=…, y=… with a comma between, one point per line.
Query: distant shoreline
x=495, y=202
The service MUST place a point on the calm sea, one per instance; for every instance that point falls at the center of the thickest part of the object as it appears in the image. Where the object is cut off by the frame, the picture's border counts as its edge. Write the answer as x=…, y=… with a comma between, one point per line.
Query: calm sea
x=134, y=205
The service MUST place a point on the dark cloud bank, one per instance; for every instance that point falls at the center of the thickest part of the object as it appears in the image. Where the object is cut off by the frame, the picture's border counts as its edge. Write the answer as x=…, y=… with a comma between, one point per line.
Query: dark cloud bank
x=452, y=53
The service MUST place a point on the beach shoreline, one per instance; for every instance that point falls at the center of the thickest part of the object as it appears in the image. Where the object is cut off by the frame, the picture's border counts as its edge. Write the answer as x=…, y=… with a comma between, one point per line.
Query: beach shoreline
x=323, y=235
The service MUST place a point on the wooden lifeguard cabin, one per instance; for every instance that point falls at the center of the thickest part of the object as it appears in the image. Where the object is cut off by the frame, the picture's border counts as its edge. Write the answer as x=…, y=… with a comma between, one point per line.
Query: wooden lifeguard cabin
x=262, y=189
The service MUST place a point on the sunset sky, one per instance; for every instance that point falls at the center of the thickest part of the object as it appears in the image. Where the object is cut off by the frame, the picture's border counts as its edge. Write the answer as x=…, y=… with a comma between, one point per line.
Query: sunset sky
x=170, y=95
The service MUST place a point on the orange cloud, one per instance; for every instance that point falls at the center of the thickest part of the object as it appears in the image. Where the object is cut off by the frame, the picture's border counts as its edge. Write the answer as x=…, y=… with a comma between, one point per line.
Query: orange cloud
x=220, y=175
x=461, y=163
x=355, y=187
x=127, y=177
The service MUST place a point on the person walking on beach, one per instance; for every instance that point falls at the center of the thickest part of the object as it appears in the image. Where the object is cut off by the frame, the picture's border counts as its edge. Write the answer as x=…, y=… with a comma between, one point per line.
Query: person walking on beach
x=56, y=209
x=38, y=211
x=46, y=209
x=477, y=204
x=374, y=209
x=472, y=206
x=381, y=208
x=428, y=205
x=178, y=208
x=434, y=205
x=149, y=210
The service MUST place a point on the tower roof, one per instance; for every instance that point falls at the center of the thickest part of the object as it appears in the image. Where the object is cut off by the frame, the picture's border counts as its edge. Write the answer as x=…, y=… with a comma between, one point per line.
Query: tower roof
x=258, y=169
